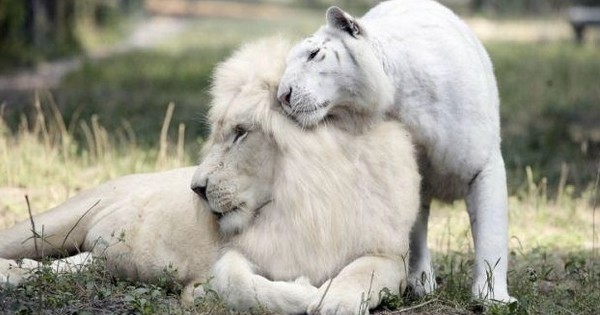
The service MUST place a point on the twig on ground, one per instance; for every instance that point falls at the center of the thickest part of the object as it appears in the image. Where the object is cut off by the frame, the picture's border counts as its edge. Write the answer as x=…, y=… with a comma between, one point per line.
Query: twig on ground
x=406, y=309
x=62, y=246
x=324, y=294
x=32, y=225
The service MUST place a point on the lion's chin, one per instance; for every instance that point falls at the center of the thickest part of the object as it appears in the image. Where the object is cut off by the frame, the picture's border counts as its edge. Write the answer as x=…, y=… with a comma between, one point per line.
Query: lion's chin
x=237, y=219
x=234, y=221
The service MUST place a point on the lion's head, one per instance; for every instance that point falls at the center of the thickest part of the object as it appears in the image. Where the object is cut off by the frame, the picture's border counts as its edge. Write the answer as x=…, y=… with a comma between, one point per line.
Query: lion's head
x=334, y=72
x=236, y=172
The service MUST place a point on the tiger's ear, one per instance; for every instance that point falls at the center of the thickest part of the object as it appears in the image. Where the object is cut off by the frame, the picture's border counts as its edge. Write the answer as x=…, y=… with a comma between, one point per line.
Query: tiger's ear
x=343, y=21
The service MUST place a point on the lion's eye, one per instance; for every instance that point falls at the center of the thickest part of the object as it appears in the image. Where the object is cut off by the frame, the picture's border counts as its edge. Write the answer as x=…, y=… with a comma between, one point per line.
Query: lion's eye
x=313, y=54
x=240, y=134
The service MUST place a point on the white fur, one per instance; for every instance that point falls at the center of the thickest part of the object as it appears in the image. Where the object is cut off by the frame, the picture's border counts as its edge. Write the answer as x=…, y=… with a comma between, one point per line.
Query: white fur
x=415, y=61
x=339, y=207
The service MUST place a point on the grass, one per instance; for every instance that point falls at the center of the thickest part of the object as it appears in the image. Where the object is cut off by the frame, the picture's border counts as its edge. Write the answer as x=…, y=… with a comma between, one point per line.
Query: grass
x=43, y=158
x=95, y=291
x=106, y=120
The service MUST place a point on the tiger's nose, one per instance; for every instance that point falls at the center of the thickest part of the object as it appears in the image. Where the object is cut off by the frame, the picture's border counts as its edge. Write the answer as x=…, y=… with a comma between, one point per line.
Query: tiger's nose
x=284, y=96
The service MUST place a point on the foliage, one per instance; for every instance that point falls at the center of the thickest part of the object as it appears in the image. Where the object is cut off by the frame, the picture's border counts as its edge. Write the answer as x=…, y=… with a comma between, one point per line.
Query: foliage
x=36, y=30
x=89, y=291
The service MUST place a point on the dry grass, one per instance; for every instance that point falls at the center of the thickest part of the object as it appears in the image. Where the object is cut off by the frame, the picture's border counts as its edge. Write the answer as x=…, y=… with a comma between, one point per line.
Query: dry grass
x=42, y=159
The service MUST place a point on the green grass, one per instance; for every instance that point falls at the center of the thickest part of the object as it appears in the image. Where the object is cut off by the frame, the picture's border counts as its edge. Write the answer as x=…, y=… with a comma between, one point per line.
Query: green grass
x=95, y=291
x=104, y=121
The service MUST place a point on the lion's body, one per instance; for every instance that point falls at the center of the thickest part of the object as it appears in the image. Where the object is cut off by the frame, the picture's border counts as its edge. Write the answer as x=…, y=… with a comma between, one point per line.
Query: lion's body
x=416, y=62
x=140, y=223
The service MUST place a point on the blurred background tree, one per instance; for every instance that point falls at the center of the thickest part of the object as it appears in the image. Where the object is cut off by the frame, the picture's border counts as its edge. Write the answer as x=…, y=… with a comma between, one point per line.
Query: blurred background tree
x=36, y=30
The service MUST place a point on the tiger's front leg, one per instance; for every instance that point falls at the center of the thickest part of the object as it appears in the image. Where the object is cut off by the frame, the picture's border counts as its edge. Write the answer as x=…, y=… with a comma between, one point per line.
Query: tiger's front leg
x=487, y=204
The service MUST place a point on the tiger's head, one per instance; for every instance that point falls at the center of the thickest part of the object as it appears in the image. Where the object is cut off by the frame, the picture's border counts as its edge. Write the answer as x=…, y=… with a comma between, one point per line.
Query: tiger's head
x=334, y=73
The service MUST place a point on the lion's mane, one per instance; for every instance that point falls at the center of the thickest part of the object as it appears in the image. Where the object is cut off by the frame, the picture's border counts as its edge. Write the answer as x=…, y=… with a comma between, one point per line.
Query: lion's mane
x=363, y=207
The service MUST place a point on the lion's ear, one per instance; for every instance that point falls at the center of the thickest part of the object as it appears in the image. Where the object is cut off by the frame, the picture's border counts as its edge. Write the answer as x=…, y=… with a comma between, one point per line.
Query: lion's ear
x=343, y=21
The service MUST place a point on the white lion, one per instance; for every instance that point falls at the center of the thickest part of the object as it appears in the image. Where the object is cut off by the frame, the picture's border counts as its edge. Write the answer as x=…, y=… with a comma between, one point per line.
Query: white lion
x=417, y=62
x=337, y=210
x=287, y=208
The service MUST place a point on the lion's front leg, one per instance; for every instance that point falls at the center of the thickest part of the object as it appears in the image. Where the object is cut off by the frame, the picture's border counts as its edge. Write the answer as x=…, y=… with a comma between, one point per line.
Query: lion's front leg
x=236, y=281
x=360, y=286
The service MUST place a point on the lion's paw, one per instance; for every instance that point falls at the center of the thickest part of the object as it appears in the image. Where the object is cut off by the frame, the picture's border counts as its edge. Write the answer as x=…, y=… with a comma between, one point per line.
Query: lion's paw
x=342, y=301
x=304, y=282
x=337, y=306
x=3, y=279
x=13, y=273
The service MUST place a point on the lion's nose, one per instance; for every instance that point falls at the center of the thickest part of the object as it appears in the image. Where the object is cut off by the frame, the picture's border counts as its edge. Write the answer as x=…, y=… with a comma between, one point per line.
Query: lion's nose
x=200, y=190
x=285, y=96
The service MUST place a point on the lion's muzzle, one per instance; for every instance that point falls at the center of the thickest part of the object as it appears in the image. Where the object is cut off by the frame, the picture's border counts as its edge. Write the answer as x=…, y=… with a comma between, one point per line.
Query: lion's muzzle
x=200, y=190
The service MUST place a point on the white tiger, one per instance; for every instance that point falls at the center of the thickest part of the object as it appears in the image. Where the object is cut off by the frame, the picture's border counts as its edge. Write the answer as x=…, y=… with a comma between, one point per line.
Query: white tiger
x=415, y=61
